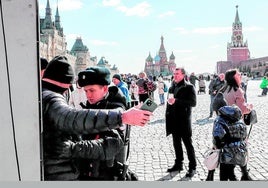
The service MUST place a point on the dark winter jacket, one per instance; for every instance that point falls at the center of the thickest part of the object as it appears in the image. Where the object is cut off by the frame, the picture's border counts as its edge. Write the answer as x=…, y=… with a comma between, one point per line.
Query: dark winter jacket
x=62, y=125
x=215, y=85
x=99, y=170
x=229, y=134
x=192, y=79
x=178, y=115
x=141, y=83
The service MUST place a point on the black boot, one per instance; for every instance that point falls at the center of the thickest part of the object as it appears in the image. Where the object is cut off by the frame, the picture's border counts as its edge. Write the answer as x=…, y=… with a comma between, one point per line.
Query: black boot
x=175, y=167
x=210, y=114
x=210, y=176
x=245, y=175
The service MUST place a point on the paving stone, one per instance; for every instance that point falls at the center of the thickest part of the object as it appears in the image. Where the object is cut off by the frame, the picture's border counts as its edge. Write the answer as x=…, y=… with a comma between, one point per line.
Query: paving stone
x=151, y=152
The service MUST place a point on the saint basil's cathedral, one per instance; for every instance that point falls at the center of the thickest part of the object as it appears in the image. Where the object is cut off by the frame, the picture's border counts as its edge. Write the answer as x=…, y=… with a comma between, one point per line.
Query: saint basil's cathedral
x=160, y=65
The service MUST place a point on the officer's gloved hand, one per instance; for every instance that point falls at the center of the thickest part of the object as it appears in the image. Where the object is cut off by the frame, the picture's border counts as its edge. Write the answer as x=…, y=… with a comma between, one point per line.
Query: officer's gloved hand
x=64, y=150
x=112, y=146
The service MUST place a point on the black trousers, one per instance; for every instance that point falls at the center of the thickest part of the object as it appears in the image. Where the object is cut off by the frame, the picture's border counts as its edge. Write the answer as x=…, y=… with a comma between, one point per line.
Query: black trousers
x=133, y=103
x=187, y=141
x=227, y=172
x=143, y=97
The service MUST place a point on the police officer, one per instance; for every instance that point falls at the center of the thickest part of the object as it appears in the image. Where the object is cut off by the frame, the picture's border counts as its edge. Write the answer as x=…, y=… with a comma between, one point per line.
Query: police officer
x=95, y=82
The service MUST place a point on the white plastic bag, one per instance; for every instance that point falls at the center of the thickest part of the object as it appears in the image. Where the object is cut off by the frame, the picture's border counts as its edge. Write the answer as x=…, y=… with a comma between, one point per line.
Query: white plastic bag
x=211, y=158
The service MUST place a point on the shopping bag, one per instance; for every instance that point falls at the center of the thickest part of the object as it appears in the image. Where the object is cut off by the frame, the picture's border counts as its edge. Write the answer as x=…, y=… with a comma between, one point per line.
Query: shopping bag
x=211, y=158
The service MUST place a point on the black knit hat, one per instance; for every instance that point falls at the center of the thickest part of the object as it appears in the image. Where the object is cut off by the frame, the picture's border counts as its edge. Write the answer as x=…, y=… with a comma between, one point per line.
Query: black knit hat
x=94, y=75
x=58, y=69
x=44, y=63
x=117, y=76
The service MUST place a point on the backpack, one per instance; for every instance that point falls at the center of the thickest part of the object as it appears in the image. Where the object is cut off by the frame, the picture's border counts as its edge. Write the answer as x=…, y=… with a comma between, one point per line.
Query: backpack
x=218, y=101
x=165, y=87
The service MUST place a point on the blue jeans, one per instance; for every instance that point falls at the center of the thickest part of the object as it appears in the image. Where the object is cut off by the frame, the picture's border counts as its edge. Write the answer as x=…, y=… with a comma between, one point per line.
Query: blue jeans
x=264, y=91
x=162, y=98
x=211, y=102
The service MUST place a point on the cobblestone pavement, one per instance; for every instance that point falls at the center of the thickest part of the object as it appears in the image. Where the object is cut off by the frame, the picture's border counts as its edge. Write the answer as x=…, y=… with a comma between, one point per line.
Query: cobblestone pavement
x=151, y=152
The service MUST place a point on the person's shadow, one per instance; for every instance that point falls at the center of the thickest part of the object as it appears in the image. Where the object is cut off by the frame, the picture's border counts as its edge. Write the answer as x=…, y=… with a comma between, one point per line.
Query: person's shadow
x=203, y=121
x=158, y=121
x=169, y=176
x=184, y=178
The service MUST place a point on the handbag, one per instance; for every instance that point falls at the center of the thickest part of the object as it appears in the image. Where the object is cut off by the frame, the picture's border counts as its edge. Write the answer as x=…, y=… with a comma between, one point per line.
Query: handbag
x=211, y=158
x=250, y=118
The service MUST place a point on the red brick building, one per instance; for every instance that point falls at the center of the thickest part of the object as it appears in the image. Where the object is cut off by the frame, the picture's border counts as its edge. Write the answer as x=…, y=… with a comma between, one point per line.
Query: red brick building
x=238, y=54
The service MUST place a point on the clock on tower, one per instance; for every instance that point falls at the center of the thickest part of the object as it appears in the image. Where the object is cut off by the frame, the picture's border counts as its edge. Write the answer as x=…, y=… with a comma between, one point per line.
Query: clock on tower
x=238, y=37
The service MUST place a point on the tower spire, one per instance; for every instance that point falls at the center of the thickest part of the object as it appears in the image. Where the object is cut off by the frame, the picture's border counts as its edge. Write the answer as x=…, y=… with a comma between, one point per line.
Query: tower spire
x=162, y=48
x=48, y=20
x=237, y=21
x=162, y=52
x=48, y=9
x=57, y=18
x=237, y=50
x=237, y=37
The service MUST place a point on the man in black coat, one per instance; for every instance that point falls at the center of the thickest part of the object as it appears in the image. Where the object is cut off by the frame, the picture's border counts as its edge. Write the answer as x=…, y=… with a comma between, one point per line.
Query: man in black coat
x=178, y=120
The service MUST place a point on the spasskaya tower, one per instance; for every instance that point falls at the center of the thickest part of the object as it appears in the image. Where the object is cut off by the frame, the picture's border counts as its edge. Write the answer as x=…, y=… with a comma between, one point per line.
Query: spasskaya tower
x=237, y=49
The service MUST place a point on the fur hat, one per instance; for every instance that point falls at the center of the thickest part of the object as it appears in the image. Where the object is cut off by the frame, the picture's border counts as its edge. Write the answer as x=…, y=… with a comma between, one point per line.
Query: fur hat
x=94, y=75
x=117, y=76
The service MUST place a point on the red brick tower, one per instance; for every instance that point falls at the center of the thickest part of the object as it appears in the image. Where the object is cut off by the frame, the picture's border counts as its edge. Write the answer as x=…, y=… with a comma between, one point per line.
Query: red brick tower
x=237, y=49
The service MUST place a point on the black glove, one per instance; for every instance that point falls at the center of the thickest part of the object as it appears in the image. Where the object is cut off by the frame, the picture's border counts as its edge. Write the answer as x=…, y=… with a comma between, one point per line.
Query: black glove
x=64, y=150
x=112, y=146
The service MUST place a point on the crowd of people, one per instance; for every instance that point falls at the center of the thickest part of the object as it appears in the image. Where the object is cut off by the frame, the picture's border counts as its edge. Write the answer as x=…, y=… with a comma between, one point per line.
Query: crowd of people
x=86, y=130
